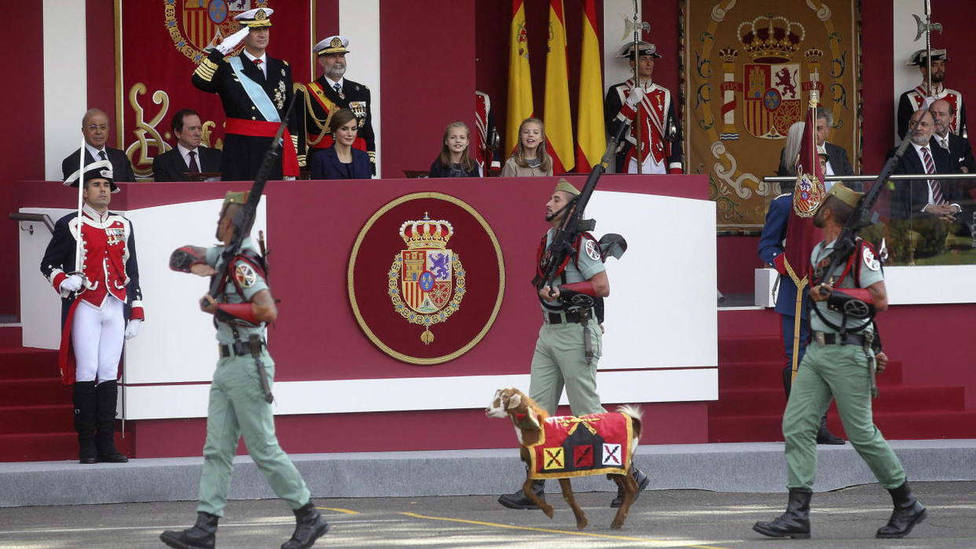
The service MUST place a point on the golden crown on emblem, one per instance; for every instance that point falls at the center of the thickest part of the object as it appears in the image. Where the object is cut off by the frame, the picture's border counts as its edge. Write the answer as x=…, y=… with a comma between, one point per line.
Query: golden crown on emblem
x=260, y=15
x=771, y=39
x=336, y=42
x=426, y=233
x=813, y=55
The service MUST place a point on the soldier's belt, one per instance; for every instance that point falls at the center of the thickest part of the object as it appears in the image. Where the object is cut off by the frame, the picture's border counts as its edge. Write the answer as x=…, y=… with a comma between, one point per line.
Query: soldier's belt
x=238, y=348
x=837, y=339
x=560, y=318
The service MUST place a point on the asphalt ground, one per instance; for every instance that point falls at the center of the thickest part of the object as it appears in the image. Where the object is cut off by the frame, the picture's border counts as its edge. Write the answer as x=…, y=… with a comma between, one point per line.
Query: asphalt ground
x=841, y=519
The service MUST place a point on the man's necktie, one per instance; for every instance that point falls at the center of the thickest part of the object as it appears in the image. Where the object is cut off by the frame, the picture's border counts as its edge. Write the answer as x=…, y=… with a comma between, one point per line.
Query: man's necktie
x=944, y=142
x=101, y=154
x=194, y=167
x=337, y=88
x=933, y=183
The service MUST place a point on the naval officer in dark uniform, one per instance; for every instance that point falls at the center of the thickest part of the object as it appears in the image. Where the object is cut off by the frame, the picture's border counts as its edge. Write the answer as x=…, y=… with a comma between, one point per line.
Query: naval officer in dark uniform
x=331, y=92
x=255, y=90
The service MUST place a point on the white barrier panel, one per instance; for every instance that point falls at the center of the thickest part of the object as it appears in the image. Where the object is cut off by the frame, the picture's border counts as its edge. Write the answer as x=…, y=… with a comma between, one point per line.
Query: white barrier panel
x=389, y=395
x=918, y=285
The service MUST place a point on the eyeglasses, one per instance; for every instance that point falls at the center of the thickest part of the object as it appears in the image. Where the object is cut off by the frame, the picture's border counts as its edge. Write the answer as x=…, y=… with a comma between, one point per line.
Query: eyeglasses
x=93, y=127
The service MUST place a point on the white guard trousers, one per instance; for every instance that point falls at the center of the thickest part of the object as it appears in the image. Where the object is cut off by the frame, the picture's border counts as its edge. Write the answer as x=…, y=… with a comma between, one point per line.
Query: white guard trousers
x=97, y=335
x=649, y=167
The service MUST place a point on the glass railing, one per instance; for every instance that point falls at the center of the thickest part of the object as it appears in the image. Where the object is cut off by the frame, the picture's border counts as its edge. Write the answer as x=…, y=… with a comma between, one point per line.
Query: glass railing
x=911, y=224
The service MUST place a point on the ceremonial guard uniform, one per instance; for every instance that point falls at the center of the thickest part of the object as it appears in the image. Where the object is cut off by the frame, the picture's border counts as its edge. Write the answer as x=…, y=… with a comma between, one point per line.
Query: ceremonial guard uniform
x=96, y=299
x=255, y=102
x=652, y=118
x=570, y=342
x=840, y=363
x=320, y=99
x=240, y=397
x=915, y=98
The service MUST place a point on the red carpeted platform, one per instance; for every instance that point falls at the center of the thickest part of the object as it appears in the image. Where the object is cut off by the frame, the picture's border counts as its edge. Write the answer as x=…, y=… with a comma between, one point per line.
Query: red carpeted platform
x=751, y=398
x=35, y=407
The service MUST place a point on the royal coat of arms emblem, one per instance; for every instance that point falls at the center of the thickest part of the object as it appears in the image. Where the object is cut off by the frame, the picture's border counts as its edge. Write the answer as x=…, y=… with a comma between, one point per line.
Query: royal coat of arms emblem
x=195, y=24
x=426, y=280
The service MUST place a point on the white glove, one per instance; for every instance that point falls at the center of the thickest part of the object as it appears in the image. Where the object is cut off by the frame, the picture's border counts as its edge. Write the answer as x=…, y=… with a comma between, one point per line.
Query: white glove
x=72, y=284
x=232, y=41
x=635, y=97
x=132, y=330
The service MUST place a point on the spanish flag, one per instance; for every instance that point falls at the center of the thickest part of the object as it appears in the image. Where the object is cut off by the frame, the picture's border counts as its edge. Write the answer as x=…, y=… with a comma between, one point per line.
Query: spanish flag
x=591, y=140
x=558, y=120
x=519, y=77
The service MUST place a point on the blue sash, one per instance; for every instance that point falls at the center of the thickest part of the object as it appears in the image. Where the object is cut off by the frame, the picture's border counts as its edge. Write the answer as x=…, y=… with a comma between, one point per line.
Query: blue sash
x=254, y=90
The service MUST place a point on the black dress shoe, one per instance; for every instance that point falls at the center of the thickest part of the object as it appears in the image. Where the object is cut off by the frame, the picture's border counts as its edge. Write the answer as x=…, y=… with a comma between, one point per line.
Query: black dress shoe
x=113, y=458
x=87, y=460
x=519, y=500
x=642, y=482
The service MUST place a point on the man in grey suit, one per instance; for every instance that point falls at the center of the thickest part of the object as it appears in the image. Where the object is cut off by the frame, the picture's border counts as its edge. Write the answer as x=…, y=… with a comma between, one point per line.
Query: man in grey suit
x=189, y=157
x=94, y=126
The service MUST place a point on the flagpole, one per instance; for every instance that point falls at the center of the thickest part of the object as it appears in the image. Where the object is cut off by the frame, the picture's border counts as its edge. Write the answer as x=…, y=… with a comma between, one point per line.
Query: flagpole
x=637, y=117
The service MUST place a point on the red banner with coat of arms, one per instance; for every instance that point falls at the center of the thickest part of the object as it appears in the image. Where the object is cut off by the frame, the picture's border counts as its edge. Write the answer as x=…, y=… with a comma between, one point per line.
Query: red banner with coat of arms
x=749, y=67
x=159, y=44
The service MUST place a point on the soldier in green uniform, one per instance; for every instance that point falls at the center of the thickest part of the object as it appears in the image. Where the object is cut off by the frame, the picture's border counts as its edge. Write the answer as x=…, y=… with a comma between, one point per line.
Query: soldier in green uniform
x=240, y=395
x=570, y=339
x=840, y=363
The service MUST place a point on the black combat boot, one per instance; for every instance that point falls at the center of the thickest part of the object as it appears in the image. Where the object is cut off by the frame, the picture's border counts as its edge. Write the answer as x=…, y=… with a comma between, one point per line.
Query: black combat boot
x=642, y=482
x=519, y=500
x=202, y=535
x=824, y=436
x=84, y=401
x=795, y=522
x=309, y=526
x=908, y=512
x=106, y=400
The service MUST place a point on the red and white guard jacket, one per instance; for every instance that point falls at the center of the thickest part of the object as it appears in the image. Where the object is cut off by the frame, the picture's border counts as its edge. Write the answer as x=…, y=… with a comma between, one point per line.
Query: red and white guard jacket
x=655, y=115
x=108, y=260
x=913, y=99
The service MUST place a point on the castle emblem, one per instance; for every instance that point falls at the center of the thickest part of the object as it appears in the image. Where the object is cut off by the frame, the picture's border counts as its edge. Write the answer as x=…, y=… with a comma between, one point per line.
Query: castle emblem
x=426, y=280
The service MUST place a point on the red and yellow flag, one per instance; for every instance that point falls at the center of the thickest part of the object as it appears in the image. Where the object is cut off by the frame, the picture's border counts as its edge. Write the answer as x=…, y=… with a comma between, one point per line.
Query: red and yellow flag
x=519, y=77
x=591, y=139
x=558, y=120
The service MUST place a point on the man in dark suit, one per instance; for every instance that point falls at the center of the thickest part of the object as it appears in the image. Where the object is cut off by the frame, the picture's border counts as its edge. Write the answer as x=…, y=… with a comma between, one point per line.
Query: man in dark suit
x=188, y=157
x=94, y=126
x=837, y=161
x=330, y=92
x=958, y=147
x=255, y=90
x=961, y=154
x=925, y=206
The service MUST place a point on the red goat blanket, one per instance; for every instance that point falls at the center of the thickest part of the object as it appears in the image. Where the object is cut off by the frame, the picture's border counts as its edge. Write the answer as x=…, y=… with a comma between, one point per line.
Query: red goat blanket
x=576, y=446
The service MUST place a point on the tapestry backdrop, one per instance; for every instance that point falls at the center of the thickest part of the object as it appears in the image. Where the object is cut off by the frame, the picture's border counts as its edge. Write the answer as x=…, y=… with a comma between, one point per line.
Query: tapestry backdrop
x=749, y=67
x=162, y=47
